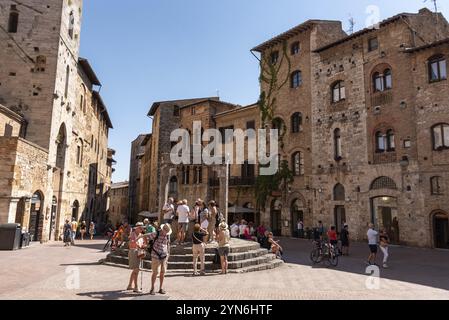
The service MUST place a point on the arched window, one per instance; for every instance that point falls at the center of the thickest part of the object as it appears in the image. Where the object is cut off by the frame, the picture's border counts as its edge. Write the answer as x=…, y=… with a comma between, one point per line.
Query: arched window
x=382, y=81
x=378, y=82
x=383, y=183
x=337, y=145
x=71, y=24
x=440, y=136
x=296, y=79
x=296, y=122
x=391, y=146
x=13, y=22
x=197, y=175
x=339, y=192
x=297, y=164
x=338, y=91
x=380, y=142
x=437, y=68
x=75, y=209
x=67, y=79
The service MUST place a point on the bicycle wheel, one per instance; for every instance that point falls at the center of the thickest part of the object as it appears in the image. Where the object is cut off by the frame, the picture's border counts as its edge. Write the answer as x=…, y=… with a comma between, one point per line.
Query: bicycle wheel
x=333, y=258
x=107, y=246
x=315, y=256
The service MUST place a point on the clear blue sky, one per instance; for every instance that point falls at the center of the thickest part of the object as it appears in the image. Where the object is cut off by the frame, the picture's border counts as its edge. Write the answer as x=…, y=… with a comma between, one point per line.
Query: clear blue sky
x=151, y=50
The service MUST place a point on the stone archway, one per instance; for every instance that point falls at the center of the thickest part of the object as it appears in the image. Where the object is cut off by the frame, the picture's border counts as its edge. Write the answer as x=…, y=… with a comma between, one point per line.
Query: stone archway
x=36, y=216
x=440, y=229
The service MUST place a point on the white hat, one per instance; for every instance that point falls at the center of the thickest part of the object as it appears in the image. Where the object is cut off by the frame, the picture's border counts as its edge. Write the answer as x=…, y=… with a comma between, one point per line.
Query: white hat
x=166, y=227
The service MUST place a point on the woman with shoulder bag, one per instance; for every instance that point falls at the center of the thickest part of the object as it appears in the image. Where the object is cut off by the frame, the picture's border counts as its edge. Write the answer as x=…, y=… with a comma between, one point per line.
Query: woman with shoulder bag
x=384, y=241
x=199, y=248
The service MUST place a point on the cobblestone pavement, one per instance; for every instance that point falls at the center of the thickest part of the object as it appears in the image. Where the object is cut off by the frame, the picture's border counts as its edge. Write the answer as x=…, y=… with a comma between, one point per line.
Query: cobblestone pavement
x=48, y=272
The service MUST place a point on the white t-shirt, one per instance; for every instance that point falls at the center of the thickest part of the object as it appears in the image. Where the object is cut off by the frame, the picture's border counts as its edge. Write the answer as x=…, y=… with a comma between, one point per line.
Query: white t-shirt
x=183, y=213
x=169, y=209
x=234, y=231
x=372, y=237
x=242, y=229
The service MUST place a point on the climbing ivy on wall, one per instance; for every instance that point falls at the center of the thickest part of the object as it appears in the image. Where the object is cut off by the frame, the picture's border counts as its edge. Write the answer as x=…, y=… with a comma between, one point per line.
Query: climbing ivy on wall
x=272, y=81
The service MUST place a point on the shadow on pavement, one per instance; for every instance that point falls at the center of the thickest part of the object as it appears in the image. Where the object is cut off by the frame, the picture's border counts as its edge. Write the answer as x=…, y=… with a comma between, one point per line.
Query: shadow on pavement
x=120, y=294
x=81, y=264
x=425, y=267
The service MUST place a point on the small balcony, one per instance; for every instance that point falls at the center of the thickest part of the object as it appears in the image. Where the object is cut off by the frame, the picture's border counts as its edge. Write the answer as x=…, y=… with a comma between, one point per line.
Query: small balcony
x=384, y=157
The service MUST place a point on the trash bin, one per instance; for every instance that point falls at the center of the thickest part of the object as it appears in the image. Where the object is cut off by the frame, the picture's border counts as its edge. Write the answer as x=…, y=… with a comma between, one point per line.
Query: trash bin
x=10, y=236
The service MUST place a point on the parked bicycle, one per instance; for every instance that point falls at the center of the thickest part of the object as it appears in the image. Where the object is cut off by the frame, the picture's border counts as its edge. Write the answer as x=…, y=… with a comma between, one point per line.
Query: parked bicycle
x=323, y=251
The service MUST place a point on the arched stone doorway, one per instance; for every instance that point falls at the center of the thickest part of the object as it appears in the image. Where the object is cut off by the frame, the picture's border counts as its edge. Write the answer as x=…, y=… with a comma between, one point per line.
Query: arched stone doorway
x=297, y=214
x=440, y=229
x=36, y=216
x=276, y=217
x=384, y=207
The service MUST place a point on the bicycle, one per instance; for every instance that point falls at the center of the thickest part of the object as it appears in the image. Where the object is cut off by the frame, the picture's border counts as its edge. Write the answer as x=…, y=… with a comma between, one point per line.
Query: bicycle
x=323, y=251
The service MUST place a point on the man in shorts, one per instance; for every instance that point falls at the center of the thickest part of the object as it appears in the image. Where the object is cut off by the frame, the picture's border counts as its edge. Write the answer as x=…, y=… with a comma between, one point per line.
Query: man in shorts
x=183, y=221
x=372, y=243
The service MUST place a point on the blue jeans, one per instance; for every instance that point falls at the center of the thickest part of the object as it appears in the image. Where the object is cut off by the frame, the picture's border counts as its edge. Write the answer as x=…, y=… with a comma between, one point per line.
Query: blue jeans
x=73, y=236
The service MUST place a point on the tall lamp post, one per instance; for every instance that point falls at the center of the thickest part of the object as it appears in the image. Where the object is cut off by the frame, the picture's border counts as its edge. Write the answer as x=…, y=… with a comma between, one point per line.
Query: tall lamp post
x=226, y=209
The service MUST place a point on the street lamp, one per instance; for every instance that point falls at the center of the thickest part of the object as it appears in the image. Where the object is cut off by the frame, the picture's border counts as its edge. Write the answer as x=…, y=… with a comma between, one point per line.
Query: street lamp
x=227, y=163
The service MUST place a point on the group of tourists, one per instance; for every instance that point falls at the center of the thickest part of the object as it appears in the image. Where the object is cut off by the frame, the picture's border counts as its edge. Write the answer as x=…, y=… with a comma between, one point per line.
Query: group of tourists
x=376, y=240
x=71, y=229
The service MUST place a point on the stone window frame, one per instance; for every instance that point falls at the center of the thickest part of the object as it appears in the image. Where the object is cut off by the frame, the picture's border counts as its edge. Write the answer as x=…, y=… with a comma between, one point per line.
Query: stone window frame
x=298, y=163
x=13, y=20
x=382, y=79
x=341, y=87
x=274, y=57
x=71, y=26
x=383, y=182
x=371, y=47
x=436, y=186
x=296, y=79
x=437, y=59
x=295, y=48
x=339, y=192
x=443, y=129
x=384, y=139
x=338, y=150
x=296, y=122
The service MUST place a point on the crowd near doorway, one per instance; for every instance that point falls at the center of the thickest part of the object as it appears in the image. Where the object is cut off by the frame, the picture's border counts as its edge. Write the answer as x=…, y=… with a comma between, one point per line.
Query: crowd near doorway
x=441, y=230
x=36, y=218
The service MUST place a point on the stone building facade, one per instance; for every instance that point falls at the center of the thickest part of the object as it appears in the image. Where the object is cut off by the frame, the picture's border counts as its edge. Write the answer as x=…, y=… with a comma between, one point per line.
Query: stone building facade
x=119, y=201
x=137, y=152
x=367, y=137
x=63, y=120
x=364, y=130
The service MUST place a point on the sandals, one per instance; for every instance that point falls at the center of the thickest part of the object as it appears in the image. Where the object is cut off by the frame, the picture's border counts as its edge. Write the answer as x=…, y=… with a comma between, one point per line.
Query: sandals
x=162, y=291
x=152, y=292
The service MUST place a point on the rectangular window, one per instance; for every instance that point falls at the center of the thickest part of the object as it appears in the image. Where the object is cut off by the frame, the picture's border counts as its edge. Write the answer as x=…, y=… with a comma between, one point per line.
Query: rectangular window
x=373, y=44
x=274, y=57
x=78, y=155
x=407, y=144
x=251, y=125
x=8, y=130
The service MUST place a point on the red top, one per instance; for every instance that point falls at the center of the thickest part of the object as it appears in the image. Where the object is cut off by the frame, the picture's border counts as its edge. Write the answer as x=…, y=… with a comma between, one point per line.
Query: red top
x=332, y=235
